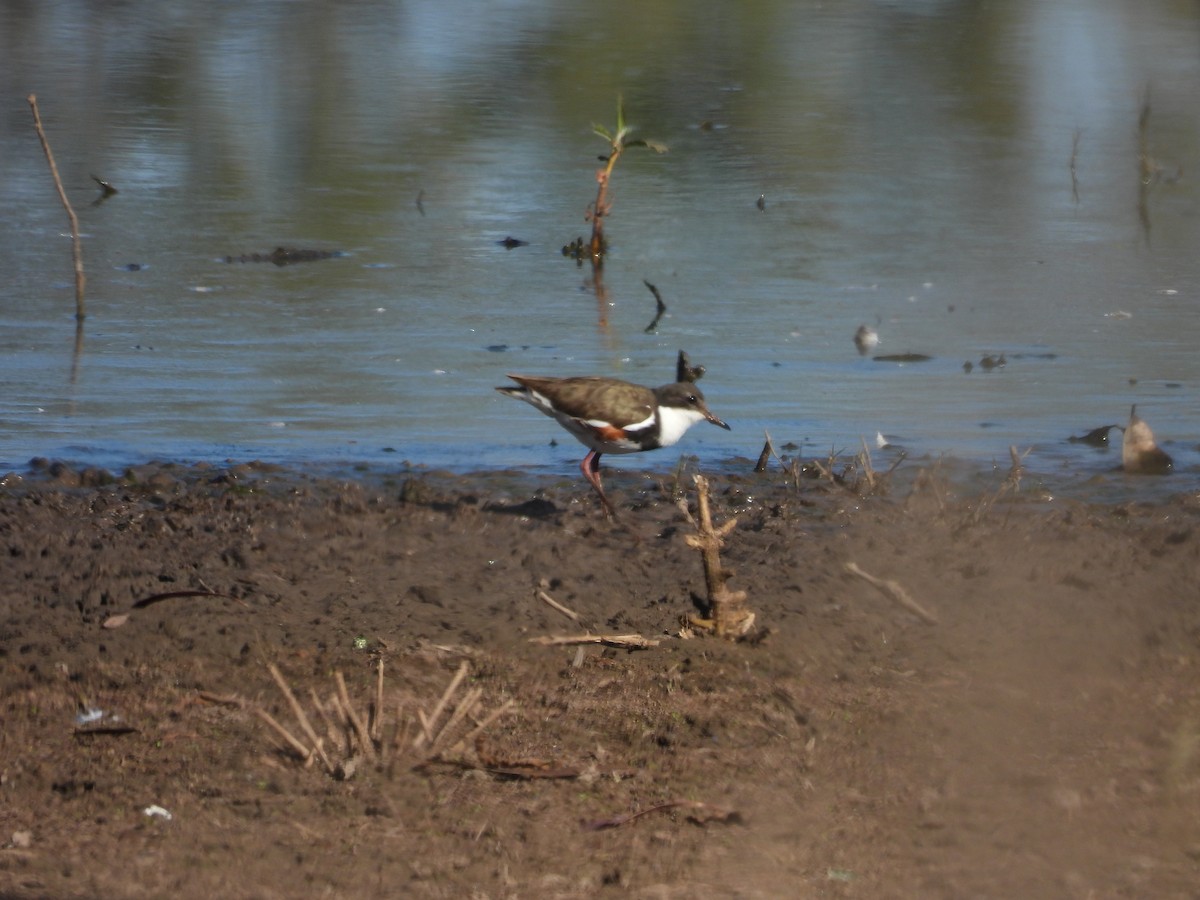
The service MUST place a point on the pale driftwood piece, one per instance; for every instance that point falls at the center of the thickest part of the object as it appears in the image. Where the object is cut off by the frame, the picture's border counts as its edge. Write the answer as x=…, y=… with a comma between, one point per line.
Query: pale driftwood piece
x=628, y=641
x=730, y=617
x=305, y=753
x=364, y=737
x=554, y=604
x=298, y=712
x=426, y=735
x=894, y=591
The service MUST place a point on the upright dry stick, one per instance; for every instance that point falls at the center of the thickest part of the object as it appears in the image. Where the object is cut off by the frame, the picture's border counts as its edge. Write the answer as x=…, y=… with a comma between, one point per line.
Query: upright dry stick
x=76, y=245
x=730, y=617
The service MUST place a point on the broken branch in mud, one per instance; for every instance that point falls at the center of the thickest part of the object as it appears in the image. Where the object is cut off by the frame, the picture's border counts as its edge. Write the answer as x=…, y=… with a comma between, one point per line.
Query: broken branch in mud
x=729, y=615
x=895, y=592
x=626, y=641
x=699, y=813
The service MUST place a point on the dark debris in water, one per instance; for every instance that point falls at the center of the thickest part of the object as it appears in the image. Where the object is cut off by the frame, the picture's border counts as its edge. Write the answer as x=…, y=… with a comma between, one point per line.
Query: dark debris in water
x=508, y=243
x=660, y=307
x=902, y=358
x=286, y=256
x=1097, y=437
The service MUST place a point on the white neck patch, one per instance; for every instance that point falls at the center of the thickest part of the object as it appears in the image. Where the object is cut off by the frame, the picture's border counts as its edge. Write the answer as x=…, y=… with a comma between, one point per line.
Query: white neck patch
x=673, y=423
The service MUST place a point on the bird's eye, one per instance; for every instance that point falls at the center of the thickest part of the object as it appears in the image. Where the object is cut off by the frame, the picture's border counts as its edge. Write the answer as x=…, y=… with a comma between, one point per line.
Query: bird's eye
x=692, y=398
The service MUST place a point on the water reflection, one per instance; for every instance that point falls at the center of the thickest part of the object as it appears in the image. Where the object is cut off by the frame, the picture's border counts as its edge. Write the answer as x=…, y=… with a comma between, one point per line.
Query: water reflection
x=970, y=178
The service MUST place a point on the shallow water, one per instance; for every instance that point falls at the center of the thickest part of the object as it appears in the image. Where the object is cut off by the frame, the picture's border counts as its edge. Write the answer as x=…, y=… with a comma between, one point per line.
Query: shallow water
x=915, y=159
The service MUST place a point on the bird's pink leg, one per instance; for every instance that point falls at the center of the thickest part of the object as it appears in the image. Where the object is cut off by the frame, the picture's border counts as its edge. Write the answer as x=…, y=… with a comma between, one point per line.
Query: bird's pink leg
x=590, y=467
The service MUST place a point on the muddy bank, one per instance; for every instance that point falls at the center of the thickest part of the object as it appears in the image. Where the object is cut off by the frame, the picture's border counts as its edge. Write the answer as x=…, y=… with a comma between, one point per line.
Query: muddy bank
x=1039, y=740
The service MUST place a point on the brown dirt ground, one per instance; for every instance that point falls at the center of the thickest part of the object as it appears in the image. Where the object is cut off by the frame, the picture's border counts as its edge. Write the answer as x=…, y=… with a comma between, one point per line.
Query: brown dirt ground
x=1041, y=740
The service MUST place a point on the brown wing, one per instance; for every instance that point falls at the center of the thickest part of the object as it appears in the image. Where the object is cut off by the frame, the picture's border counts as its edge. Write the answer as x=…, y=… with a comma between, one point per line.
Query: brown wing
x=623, y=403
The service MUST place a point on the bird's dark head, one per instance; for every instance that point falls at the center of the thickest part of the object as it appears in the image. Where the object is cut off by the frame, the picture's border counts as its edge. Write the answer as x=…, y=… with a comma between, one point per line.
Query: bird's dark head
x=684, y=397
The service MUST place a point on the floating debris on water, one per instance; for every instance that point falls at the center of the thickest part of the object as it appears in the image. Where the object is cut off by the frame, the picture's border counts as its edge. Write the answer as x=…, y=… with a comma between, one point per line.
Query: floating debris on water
x=286, y=256
x=903, y=358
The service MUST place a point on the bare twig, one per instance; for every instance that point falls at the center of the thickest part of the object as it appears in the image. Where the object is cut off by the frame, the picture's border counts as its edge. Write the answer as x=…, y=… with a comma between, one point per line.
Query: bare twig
x=895, y=592
x=76, y=245
x=551, y=602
